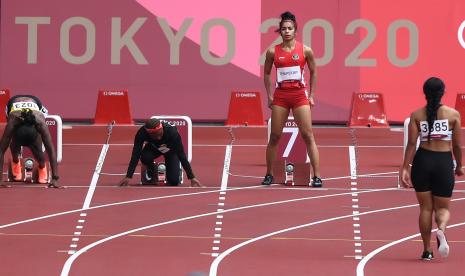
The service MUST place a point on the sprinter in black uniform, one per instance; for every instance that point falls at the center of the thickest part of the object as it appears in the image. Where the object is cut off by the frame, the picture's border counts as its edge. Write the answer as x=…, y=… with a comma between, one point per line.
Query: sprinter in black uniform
x=160, y=138
x=430, y=170
x=26, y=127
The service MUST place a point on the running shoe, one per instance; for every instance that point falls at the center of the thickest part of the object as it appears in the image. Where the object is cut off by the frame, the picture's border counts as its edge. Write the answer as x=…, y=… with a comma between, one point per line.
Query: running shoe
x=427, y=256
x=17, y=171
x=317, y=182
x=43, y=175
x=268, y=180
x=148, y=176
x=443, y=246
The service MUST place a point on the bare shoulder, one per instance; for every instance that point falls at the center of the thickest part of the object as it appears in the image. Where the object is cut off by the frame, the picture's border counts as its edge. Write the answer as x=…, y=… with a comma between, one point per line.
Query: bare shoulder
x=308, y=51
x=270, y=51
x=449, y=110
x=419, y=114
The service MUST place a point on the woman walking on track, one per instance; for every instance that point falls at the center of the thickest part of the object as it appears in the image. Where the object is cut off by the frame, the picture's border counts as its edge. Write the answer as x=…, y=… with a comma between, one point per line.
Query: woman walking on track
x=291, y=93
x=432, y=166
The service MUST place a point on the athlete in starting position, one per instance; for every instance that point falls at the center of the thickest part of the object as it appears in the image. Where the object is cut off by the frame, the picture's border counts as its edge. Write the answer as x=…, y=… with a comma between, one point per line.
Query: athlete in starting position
x=26, y=127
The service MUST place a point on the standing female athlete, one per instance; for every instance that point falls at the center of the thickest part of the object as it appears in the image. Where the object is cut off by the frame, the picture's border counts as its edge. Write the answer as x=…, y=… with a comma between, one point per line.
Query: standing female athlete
x=291, y=93
x=26, y=127
x=432, y=168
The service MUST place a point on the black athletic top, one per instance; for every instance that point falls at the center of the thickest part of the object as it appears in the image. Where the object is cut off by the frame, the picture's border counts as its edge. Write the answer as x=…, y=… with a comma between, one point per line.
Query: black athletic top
x=170, y=142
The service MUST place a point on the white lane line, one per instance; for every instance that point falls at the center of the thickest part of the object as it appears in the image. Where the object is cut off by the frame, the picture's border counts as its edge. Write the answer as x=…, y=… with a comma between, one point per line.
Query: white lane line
x=90, y=193
x=222, y=193
x=226, y=166
x=374, y=175
x=235, y=145
x=71, y=259
x=216, y=262
x=117, y=204
x=95, y=177
x=355, y=207
x=362, y=263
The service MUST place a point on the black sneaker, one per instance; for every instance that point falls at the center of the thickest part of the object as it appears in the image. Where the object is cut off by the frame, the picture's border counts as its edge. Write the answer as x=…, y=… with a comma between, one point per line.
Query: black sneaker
x=317, y=182
x=268, y=180
x=427, y=256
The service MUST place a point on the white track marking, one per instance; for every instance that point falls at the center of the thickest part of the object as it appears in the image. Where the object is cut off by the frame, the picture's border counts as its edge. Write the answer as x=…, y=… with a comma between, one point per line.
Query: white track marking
x=239, y=145
x=215, y=263
x=362, y=263
x=71, y=259
x=226, y=165
x=355, y=212
x=95, y=177
x=116, y=204
x=222, y=197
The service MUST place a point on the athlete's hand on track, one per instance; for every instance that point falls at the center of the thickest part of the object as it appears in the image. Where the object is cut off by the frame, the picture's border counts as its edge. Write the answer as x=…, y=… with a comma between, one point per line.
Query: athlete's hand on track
x=195, y=183
x=2, y=185
x=55, y=186
x=124, y=182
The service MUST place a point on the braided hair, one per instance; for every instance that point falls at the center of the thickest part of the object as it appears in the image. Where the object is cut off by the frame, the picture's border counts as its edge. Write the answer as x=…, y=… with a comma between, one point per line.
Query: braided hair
x=25, y=132
x=287, y=16
x=433, y=88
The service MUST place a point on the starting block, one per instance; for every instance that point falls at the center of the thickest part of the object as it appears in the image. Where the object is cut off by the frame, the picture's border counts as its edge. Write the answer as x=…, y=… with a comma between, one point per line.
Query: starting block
x=29, y=171
x=184, y=127
x=29, y=165
x=292, y=165
x=367, y=110
x=159, y=176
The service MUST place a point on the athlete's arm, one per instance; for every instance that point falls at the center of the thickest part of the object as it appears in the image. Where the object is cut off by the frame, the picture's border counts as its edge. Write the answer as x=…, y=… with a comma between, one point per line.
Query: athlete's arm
x=136, y=152
x=269, y=58
x=179, y=149
x=309, y=57
x=4, y=143
x=409, y=152
x=456, y=143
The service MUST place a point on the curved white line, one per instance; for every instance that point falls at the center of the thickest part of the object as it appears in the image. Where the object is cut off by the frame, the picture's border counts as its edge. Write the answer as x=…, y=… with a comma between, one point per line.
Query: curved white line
x=70, y=260
x=116, y=204
x=364, y=260
x=362, y=263
x=146, y=199
x=215, y=263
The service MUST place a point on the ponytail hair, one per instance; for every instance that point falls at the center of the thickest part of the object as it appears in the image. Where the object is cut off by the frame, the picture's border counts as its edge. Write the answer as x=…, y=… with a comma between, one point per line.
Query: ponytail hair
x=287, y=16
x=433, y=88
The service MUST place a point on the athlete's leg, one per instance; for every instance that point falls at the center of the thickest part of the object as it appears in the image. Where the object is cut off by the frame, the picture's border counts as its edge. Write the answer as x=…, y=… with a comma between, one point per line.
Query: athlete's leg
x=441, y=216
x=303, y=118
x=173, y=169
x=15, y=150
x=16, y=168
x=425, y=201
x=279, y=116
x=38, y=153
x=149, y=153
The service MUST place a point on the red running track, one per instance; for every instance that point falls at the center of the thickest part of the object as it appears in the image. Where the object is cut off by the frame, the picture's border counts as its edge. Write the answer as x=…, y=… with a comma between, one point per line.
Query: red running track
x=244, y=229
